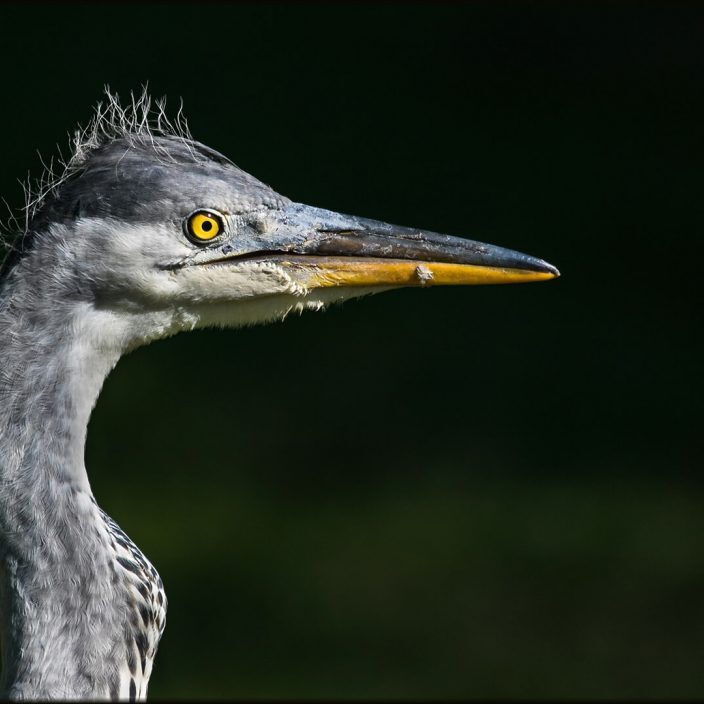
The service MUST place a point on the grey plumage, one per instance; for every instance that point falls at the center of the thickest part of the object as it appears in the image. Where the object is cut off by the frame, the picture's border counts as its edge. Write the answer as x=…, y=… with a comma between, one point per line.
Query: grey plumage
x=146, y=182
x=109, y=260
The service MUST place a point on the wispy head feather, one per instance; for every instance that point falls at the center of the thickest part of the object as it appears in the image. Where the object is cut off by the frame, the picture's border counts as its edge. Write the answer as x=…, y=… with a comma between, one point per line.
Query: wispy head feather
x=138, y=122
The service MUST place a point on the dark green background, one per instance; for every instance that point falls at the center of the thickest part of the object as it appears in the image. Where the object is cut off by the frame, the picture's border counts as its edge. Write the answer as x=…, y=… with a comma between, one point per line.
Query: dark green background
x=460, y=493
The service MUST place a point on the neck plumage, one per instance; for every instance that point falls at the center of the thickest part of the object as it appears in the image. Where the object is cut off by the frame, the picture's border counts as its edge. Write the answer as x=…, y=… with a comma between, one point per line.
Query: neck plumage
x=72, y=584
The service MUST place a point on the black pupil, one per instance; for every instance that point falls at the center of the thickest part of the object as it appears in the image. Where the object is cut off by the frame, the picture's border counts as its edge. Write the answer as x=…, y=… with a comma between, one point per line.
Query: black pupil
x=207, y=226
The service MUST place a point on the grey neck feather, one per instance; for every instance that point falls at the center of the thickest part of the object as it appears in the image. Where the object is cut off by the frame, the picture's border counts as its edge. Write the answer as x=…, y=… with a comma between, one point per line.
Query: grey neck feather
x=66, y=607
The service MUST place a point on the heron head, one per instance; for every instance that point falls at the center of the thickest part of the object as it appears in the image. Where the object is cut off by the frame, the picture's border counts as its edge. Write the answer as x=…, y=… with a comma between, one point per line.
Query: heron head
x=166, y=230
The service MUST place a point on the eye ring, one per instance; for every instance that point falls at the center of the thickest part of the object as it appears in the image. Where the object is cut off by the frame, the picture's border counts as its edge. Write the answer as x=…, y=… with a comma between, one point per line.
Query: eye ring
x=203, y=225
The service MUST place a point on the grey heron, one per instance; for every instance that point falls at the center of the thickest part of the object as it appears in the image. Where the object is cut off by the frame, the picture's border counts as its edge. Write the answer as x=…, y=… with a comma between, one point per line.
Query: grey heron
x=143, y=234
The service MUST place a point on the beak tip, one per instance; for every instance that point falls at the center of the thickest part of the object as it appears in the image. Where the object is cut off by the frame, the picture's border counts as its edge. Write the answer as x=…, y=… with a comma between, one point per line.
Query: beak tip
x=552, y=270
x=542, y=267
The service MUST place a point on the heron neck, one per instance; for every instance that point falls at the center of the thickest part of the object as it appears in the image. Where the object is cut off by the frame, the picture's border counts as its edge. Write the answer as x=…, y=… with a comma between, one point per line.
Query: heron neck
x=53, y=563
x=51, y=375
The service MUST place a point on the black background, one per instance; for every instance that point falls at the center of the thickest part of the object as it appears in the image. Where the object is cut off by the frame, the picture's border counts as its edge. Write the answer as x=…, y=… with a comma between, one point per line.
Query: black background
x=490, y=491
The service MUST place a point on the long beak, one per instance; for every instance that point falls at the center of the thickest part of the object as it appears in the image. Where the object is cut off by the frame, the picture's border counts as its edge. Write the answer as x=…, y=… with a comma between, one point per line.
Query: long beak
x=321, y=249
x=344, y=250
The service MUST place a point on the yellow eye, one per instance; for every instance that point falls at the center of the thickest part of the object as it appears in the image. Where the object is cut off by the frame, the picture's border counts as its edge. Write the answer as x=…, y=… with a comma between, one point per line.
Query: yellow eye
x=203, y=225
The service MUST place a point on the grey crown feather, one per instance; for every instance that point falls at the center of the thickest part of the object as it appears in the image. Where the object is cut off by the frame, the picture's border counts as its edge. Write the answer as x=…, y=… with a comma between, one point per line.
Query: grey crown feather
x=141, y=123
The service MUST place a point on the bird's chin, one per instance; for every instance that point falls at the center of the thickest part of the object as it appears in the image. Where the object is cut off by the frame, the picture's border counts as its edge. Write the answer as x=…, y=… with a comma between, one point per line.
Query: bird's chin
x=276, y=307
x=239, y=292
